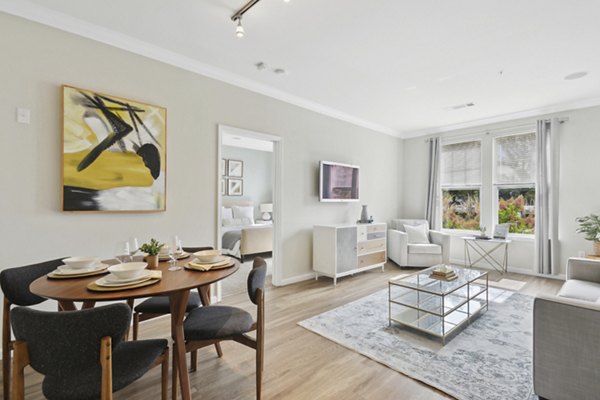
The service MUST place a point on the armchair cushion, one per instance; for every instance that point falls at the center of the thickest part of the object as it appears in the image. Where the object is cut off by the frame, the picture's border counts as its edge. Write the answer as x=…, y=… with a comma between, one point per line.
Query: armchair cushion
x=417, y=234
x=423, y=248
x=581, y=290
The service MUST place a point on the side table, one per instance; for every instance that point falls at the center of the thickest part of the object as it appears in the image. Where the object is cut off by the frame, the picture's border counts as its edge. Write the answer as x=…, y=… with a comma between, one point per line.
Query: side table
x=496, y=253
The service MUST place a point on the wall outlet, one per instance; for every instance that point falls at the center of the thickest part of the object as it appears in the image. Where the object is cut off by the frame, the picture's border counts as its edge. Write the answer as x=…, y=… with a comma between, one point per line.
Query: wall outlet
x=23, y=115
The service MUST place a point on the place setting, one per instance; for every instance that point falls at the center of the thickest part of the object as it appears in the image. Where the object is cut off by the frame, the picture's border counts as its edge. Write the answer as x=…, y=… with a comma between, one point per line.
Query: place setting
x=207, y=260
x=77, y=267
x=129, y=275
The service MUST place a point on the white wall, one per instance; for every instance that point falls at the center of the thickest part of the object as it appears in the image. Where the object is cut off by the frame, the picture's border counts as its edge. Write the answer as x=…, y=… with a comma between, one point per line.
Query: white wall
x=32, y=226
x=258, y=175
x=579, y=193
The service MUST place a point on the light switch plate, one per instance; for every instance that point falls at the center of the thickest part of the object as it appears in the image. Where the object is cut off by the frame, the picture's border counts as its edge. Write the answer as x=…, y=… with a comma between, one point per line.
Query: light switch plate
x=23, y=115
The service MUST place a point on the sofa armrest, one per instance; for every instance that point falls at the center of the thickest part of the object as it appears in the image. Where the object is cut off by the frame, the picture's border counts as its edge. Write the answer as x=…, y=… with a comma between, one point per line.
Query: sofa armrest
x=442, y=239
x=566, y=348
x=397, y=247
x=583, y=269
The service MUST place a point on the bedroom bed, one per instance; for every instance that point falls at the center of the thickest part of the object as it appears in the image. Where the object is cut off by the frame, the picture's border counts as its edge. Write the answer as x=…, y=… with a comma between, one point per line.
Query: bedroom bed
x=241, y=236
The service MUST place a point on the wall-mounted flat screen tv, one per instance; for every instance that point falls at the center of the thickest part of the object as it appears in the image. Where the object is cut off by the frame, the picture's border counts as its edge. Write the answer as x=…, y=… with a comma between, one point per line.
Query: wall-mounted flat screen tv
x=338, y=182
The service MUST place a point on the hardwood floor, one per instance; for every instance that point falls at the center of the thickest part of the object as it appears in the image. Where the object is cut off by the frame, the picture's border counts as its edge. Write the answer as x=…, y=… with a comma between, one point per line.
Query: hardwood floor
x=299, y=364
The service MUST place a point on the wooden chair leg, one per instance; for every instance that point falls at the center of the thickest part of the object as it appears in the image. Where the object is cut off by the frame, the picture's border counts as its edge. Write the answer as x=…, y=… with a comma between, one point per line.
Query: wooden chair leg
x=130, y=303
x=106, y=365
x=20, y=361
x=136, y=325
x=6, y=336
x=164, y=369
x=219, y=351
x=194, y=361
x=175, y=377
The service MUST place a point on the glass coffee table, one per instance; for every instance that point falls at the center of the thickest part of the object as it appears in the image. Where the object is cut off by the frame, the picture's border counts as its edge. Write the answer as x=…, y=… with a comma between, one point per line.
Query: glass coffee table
x=436, y=306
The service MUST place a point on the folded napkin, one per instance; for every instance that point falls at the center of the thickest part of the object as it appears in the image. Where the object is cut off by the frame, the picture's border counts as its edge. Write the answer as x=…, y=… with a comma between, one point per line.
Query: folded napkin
x=194, y=264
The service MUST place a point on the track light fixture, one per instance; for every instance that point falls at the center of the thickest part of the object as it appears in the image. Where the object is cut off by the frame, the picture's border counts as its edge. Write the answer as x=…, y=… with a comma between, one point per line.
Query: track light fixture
x=237, y=16
x=239, y=29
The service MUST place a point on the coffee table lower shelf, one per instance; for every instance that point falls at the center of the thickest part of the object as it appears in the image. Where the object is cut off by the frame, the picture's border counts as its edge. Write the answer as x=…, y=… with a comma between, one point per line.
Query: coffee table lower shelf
x=439, y=326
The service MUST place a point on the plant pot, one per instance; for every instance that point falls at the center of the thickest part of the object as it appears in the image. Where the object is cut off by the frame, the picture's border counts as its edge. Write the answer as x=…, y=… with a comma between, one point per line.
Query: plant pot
x=597, y=247
x=152, y=261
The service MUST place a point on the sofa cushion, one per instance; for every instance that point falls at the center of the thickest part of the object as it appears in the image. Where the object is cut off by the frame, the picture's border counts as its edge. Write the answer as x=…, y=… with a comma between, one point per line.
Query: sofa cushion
x=424, y=248
x=581, y=290
x=417, y=234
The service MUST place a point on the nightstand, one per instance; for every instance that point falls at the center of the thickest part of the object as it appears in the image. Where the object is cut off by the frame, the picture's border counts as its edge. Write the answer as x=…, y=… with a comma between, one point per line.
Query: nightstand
x=263, y=222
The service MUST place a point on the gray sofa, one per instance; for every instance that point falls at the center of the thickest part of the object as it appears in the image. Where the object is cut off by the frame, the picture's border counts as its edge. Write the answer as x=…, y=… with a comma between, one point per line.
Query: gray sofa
x=566, y=336
x=416, y=255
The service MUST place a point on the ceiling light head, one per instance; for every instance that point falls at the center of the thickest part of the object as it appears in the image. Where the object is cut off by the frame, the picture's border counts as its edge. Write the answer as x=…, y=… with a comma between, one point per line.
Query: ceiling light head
x=239, y=29
x=575, y=75
x=279, y=71
x=261, y=65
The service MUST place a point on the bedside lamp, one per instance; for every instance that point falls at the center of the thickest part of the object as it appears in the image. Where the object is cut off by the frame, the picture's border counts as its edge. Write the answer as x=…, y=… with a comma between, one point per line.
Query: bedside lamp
x=266, y=209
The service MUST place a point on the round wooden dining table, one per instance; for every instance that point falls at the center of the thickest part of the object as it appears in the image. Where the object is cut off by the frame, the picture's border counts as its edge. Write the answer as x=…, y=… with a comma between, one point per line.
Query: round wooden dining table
x=175, y=284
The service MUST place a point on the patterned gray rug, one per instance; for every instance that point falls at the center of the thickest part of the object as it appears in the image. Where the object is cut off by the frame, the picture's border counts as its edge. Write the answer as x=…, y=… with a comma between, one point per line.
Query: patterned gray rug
x=490, y=359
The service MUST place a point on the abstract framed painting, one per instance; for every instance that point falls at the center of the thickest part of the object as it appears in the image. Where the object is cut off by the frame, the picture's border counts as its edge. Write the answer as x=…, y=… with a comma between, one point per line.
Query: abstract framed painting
x=114, y=153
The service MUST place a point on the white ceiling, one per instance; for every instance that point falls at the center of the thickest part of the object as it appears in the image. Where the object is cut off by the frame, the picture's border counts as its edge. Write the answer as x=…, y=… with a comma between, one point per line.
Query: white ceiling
x=396, y=66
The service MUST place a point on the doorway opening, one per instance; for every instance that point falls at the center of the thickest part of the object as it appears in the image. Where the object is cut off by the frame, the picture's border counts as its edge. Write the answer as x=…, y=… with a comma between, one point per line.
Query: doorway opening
x=249, y=203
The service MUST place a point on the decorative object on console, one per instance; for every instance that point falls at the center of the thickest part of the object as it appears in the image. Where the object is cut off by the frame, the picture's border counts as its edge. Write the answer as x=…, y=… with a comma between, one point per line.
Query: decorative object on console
x=590, y=227
x=266, y=209
x=364, y=215
x=235, y=187
x=105, y=137
x=501, y=231
x=235, y=168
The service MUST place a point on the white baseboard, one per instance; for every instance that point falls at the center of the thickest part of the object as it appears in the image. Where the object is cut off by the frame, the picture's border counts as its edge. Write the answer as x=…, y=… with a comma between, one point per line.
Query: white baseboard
x=297, y=278
x=516, y=270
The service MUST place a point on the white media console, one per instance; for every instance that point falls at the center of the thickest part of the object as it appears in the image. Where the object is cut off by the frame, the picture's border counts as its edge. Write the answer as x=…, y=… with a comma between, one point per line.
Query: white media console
x=345, y=249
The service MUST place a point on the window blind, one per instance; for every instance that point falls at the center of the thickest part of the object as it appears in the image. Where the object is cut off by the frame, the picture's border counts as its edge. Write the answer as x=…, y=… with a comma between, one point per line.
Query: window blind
x=515, y=161
x=461, y=164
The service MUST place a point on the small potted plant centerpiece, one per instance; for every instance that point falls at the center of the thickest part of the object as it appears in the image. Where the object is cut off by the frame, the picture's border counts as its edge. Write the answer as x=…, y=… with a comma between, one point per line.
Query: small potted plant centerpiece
x=152, y=249
x=590, y=227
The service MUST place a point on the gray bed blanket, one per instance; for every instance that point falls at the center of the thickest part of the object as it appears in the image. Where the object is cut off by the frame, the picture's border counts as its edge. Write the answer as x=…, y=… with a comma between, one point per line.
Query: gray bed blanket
x=230, y=239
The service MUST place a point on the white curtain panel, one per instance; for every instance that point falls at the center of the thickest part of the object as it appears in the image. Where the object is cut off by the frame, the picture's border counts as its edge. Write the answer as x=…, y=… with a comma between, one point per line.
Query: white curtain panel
x=434, y=183
x=546, y=213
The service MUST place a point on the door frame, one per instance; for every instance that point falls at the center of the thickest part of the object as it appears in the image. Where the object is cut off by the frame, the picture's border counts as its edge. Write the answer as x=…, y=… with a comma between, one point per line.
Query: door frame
x=277, y=185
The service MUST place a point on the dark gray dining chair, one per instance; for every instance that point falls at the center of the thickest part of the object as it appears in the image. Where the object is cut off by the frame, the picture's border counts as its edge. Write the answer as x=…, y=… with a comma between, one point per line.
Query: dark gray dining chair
x=208, y=325
x=81, y=353
x=15, y=286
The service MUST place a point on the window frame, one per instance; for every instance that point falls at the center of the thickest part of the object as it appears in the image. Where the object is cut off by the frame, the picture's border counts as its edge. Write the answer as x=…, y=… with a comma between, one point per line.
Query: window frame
x=443, y=187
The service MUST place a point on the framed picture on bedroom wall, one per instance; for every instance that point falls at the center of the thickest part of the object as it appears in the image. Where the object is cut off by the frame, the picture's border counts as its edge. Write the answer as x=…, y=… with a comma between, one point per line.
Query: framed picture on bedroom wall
x=223, y=187
x=235, y=187
x=235, y=168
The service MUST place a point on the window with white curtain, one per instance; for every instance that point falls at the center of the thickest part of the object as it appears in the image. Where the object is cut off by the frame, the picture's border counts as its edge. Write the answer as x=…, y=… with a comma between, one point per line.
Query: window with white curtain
x=514, y=181
x=460, y=180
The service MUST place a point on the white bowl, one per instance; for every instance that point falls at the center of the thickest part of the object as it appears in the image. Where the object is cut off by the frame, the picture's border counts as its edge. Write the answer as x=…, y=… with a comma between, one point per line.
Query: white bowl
x=128, y=270
x=81, y=262
x=207, y=256
x=164, y=250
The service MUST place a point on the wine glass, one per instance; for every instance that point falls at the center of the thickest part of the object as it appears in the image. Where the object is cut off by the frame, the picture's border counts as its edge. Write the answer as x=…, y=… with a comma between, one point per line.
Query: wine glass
x=174, y=251
x=133, y=246
x=122, y=252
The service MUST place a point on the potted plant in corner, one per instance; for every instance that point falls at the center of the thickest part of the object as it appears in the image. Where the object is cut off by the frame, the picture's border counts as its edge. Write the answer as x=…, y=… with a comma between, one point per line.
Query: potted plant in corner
x=152, y=249
x=590, y=227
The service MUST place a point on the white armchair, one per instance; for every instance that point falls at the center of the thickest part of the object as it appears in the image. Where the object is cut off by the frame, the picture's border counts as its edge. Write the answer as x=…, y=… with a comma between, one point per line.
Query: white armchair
x=437, y=251
x=566, y=343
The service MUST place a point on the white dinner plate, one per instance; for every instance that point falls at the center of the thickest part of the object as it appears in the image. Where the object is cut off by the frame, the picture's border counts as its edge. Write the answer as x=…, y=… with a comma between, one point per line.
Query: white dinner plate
x=217, y=260
x=103, y=282
x=65, y=270
x=112, y=278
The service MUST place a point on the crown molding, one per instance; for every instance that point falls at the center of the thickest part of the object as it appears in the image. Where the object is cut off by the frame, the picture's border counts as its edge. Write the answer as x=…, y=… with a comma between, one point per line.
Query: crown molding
x=534, y=112
x=45, y=16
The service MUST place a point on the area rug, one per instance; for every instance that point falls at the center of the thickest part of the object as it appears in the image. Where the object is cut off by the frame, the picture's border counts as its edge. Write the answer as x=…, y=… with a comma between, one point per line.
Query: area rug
x=489, y=359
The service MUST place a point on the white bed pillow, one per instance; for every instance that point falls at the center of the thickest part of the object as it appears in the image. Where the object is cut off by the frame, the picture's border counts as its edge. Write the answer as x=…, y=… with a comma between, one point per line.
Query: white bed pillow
x=226, y=213
x=417, y=234
x=244, y=212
